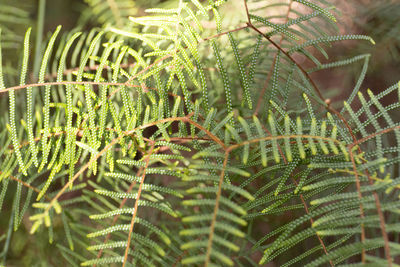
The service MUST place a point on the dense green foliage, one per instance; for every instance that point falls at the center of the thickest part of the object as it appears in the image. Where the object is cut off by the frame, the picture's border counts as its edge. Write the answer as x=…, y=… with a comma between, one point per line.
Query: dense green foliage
x=176, y=138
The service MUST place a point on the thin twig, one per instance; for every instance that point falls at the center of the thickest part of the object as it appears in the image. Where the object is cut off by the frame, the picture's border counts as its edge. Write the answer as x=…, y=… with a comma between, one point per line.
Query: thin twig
x=118, y=215
x=377, y=201
x=247, y=11
x=278, y=137
x=381, y=223
x=291, y=59
x=216, y=207
x=18, y=87
x=116, y=140
x=87, y=68
x=366, y=138
x=358, y=185
x=261, y=97
x=302, y=201
x=207, y=132
x=378, y=209
x=224, y=33
x=137, y=204
x=25, y=184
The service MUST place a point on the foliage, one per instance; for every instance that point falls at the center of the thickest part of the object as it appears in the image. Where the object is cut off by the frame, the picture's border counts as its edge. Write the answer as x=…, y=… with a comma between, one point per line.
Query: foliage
x=159, y=141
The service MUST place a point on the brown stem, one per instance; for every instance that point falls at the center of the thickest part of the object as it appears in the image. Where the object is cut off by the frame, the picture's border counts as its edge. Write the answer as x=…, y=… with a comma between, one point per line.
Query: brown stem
x=291, y=59
x=137, y=204
x=224, y=33
x=261, y=97
x=247, y=11
x=302, y=200
x=362, y=140
x=278, y=137
x=25, y=184
x=216, y=207
x=114, y=141
x=18, y=87
x=358, y=185
x=118, y=215
x=87, y=68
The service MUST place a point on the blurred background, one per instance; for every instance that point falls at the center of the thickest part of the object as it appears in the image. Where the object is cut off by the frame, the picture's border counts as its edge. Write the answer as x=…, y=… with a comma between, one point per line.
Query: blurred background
x=378, y=19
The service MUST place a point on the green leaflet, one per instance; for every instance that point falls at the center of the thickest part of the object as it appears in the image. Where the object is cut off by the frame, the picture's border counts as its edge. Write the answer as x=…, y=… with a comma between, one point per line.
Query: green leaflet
x=243, y=76
x=12, y=106
x=271, y=122
x=330, y=39
x=262, y=142
x=316, y=7
x=103, y=91
x=225, y=80
x=29, y=100
x=276, y=27
x=70, y=149
x=46, y=115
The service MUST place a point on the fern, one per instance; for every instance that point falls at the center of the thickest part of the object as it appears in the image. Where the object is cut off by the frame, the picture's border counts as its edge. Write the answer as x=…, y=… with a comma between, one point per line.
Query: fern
x=160, y=141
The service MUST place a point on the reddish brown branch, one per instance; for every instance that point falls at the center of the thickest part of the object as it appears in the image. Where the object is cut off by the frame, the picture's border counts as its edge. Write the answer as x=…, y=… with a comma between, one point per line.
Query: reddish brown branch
x=261, y=97
x=378, y=209
x=118, y=215
x=25, y=184
x=18, y=87
x=224, y=33
x=377, y=201
x=291, y=59
x=87, y=68
x=147, y=160
x=362, y=140
x=358, y=185
x=302, y=200
x=216, y=207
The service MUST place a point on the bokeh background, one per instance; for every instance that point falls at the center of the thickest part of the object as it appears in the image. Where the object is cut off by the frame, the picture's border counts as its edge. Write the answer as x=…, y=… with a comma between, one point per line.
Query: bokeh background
x=378, y=19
